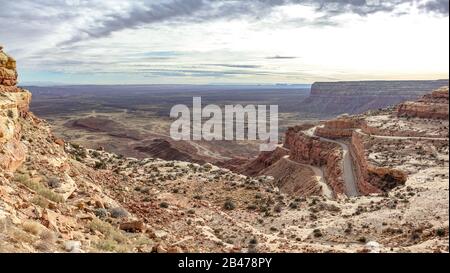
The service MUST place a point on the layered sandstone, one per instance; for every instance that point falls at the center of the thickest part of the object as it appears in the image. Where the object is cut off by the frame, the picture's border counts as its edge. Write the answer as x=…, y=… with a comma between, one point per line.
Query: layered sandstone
x=372, y=179
x=342, y=127
x=354, y=97
x=8, y=73
x=14, y=103
x=312, y=151
x=432, y=106
x=293, y=179
x=263, y=161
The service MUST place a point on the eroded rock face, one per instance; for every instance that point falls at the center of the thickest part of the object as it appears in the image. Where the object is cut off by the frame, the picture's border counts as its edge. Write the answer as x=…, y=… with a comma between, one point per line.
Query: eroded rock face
x=8, y=73
x=313, y=151
x=372, y=179
x=338, y=128
x=432, y=106
x=293, y=179
x=14, y=103
x=334, y=98
x=263, y=161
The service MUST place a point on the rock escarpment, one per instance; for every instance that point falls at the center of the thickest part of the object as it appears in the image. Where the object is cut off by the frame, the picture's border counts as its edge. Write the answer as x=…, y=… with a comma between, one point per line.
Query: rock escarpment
x=432, y=106
x=342, y=127
x=14, y=104
x=8, y=73
x=372, y=179
x=293, y=179
x=334, y=98
x=312, y=151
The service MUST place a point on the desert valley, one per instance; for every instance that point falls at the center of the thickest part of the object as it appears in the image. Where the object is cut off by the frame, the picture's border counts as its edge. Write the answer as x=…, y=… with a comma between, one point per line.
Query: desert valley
x=360, y=167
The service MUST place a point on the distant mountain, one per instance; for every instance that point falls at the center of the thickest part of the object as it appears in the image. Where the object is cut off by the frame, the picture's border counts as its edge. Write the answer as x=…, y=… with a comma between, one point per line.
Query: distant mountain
x=353, y=97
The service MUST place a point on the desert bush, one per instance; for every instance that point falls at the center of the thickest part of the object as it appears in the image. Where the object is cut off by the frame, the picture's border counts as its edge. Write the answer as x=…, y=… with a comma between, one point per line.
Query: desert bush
x=229, y=205
x=40, y=201
x=197, y=197
x=39, y=188
x=31, y=227
x=107, y=245
x=100, y=165
x=101, y=213
x=54, y=183
x=164, y=205
x=108, y=230
x=48, y=236
x=293, y=205
x=317, y=233
x=440, y=232
x=253, y=241
x=362, y=240
x=43, y=246
x=118, y=213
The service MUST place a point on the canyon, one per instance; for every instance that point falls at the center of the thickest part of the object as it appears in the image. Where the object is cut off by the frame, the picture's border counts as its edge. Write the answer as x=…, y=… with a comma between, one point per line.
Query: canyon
x=340, y=146
x=59, y=196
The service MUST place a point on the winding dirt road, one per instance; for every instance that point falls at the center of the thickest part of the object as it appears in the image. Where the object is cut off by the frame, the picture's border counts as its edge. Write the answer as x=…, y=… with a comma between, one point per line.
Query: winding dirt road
x=402, y=137
x=351, y=188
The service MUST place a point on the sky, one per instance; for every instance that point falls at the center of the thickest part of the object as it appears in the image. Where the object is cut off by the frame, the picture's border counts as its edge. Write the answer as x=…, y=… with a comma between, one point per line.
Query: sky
x=225, y=41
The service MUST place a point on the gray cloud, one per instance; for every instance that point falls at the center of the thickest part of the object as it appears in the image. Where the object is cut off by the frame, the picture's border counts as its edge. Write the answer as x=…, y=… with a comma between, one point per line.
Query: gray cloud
x=204, y=10
x=51, y=33
x=98, y=18
x=436, y=6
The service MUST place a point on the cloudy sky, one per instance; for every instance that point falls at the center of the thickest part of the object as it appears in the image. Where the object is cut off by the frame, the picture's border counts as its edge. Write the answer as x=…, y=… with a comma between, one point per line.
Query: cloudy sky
x=225, y=41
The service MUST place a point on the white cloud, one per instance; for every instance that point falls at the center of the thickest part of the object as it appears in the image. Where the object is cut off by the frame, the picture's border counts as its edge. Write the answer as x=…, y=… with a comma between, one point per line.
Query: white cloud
x=183, y=41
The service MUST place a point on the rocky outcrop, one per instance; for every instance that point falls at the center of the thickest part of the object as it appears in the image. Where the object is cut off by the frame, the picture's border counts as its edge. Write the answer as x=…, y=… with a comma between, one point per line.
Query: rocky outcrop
x=334, y=98
x=263, y=161
x=162, y=148
x=293, y=179
x=338, y=128
x=14, y=103
x=8, y=73
x=432, y=106
x=313, y=151
x=372, y=179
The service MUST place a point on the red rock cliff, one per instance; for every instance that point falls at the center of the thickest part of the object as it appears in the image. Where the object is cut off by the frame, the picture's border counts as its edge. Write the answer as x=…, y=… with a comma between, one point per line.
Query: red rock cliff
x=431, y=106
x=313, y=151
x=14, y=103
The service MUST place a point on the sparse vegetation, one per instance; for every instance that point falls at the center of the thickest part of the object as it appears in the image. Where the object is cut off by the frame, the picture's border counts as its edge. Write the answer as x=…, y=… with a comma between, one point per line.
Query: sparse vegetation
x=31, y=227
x=40, y=201
x=164, y=205
x=39, y=188
x=362, y=240
x=53, y=182
x=317, y=233
x=229, y=205
x=440, y=232
x=118, y=213
x=108, y=230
